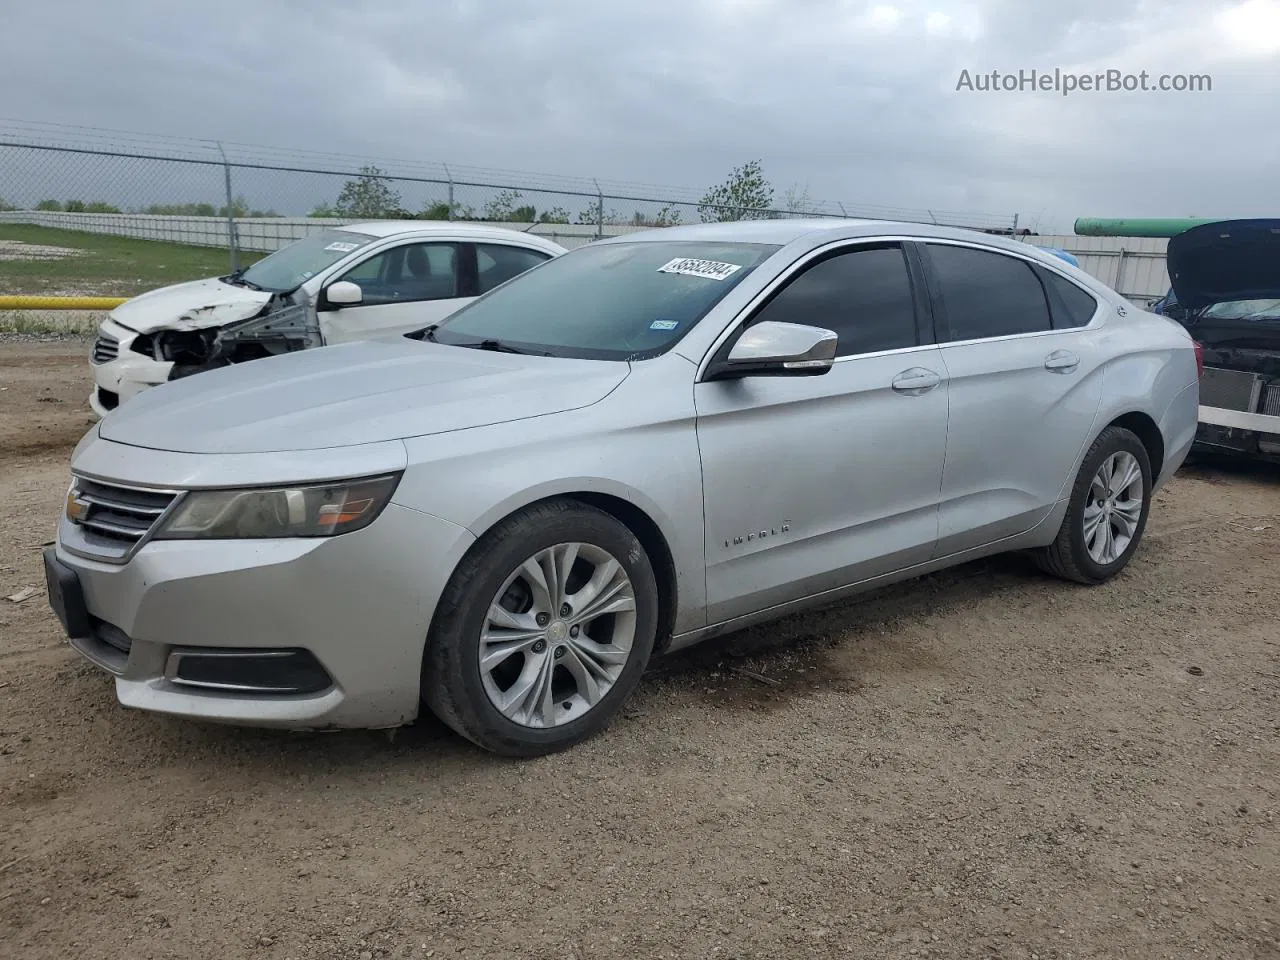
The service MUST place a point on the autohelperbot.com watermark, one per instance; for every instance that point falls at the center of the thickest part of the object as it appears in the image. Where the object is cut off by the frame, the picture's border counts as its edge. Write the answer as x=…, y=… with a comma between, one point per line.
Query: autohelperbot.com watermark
x=1066, y=83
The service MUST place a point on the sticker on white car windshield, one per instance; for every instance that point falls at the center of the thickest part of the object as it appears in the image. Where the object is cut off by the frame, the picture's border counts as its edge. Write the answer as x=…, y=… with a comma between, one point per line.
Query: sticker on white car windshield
x=342, y=246
x=707, y=269
x=664, y=324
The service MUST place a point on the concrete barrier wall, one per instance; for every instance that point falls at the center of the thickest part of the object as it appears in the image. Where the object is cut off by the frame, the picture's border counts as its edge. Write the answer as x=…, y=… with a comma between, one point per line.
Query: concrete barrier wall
x=1133, y=266
x=261, y=234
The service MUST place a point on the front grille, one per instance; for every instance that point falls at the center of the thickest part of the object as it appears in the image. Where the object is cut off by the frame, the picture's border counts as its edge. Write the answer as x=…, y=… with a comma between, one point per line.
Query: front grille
x=1271, y=401
x=105, y=348
x=122, y=515
x=1230, y=389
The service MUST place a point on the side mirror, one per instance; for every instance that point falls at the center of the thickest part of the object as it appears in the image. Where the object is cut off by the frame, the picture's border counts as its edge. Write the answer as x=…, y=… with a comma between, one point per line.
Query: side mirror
x=773, y=349
x=344, y=293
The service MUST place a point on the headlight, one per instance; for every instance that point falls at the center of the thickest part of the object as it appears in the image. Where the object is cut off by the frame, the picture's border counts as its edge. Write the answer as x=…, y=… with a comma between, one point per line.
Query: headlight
x=320, y=510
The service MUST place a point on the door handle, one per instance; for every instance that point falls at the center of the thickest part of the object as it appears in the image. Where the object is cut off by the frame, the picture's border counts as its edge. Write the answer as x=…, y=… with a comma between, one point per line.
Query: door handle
x=915, y=381
x=1061, y=361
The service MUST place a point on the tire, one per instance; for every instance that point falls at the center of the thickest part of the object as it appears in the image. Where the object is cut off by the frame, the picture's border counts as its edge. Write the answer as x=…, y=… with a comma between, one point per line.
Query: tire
x=1070, y=556
x=467, y=696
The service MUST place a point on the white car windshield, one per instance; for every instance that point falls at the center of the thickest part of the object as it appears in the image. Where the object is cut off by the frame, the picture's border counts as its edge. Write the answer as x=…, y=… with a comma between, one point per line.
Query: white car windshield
x=612, y=301
x=292, y=266
x=1244, y=310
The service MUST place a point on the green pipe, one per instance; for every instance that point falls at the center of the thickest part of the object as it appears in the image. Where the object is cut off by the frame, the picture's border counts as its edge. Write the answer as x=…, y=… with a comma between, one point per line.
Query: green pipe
x=1137, y=227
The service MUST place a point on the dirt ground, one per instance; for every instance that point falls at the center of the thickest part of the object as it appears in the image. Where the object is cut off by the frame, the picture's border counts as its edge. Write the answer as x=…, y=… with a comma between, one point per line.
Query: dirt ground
x=985, y=763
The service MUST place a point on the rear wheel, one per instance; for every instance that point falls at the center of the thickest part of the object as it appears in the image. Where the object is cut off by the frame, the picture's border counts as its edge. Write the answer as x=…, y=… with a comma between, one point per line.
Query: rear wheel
x=543, y=631
x=1107, y=511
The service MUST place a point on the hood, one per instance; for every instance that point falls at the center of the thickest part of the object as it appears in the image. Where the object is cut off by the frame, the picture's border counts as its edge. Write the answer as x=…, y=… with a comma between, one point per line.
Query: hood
x=190, y=306
x=363, y=392
x=1228, y=260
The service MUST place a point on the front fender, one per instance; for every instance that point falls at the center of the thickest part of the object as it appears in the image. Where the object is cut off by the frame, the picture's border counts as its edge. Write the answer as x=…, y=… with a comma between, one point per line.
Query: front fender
x=638, y=445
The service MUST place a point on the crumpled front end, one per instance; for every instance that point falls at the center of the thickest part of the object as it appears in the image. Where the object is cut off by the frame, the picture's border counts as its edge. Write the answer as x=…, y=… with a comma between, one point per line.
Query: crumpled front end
x=1240, y=400
x=1226, y=276
x=125, y=361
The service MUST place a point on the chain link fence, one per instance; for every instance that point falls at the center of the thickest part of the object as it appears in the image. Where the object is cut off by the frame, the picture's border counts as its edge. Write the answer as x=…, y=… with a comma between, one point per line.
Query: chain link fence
x=246, y=197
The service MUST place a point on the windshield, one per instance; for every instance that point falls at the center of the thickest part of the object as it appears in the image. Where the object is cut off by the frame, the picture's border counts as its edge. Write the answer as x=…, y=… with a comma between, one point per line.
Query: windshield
x=613, y=301
x=1244, y=310
x=290, y=267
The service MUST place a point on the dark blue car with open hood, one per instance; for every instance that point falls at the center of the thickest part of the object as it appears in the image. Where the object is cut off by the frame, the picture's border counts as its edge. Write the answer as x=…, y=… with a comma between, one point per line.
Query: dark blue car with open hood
x=1226, y=276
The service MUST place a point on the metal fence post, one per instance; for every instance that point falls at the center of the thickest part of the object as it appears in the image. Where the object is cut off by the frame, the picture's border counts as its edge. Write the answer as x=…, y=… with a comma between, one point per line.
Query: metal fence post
x=231, y=213
x=448, y=173
x=599, y=210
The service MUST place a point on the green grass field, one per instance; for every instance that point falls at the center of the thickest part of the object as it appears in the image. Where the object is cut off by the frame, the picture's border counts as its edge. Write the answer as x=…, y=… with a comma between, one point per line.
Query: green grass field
x=105, y=266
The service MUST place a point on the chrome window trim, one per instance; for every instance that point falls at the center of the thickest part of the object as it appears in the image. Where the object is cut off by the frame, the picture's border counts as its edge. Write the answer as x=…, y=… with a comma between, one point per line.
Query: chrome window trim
x=974, y=245
x=853, y=242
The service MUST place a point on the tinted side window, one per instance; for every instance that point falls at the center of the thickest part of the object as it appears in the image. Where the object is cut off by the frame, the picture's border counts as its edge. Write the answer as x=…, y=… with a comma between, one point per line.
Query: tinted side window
x=1077, y=304
x=497, y=263
x=416, y=271
x=863, y=295
x=987, y=294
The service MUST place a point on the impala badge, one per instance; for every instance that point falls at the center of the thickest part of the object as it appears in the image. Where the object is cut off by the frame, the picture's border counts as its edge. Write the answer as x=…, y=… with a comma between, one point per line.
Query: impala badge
x=758, y=535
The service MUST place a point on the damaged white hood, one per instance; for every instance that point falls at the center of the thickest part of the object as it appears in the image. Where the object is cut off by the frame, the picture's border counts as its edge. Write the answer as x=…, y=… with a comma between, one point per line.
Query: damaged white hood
x=356, y=393
x=197, y=305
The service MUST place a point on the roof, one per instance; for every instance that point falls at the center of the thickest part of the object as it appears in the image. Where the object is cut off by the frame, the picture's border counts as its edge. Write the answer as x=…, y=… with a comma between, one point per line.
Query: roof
x=748, y=231
x=443, y=228
x=815, y=231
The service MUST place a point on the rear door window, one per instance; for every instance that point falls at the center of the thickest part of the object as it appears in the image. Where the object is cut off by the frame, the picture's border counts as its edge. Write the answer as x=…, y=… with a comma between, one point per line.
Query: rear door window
x=986, y=294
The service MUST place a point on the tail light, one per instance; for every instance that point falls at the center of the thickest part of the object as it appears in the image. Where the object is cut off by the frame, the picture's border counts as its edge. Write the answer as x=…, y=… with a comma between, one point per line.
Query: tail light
x=1199, y=348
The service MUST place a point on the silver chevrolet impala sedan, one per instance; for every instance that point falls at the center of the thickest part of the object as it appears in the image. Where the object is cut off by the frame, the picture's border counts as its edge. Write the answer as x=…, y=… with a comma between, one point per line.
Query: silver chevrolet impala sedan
x=627, y=449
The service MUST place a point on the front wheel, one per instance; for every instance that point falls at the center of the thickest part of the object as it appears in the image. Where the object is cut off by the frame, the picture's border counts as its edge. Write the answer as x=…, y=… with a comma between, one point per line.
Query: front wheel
x=1107, y=511
x=543, y=631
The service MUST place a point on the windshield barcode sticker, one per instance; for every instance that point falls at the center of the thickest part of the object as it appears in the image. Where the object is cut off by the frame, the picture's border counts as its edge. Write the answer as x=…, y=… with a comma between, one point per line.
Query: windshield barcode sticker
x=707, y=269
x=342, y=246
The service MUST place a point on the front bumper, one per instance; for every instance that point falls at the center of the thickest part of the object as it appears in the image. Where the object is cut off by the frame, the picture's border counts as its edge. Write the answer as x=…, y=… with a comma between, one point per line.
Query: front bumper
x=360, y=605
x=1238, y=432
x=119, y=372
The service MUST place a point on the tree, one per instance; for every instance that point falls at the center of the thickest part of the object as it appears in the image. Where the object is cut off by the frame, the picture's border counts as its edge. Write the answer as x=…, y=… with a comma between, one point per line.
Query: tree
x=668, y=216
x=441, y=210
x=796, y=199
x=503, y=209
x=591, y=215
x=49, y=205
x=369, y=196
x=554, y=215
x=5, y=205
x=745, y=195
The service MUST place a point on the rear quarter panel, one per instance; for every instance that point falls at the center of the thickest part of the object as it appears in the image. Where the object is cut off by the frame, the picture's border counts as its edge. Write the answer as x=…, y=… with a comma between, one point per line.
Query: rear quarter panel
x=1152, y=371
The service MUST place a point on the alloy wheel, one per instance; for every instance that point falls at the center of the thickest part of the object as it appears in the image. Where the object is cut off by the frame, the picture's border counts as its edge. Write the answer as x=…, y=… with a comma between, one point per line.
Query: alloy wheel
x=557, y=635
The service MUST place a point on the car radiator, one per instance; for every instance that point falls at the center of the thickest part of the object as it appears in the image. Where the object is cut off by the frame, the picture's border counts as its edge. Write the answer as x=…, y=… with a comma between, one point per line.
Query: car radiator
x=1234, y=390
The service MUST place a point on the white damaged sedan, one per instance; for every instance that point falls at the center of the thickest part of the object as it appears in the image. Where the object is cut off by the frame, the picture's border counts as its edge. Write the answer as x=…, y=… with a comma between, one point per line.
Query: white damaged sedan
x=355, y=282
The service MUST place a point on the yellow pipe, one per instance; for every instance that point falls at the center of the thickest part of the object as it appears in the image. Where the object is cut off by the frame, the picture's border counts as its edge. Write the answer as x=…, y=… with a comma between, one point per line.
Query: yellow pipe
x=60, y=303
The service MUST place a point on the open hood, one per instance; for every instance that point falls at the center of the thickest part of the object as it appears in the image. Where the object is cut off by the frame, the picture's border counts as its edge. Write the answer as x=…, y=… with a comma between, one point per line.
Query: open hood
x=363, y=392
x=197, y=305
x=1228, y=260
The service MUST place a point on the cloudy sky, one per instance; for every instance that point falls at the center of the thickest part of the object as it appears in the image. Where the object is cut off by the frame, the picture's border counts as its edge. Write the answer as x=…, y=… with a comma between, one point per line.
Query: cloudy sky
x=854, y=99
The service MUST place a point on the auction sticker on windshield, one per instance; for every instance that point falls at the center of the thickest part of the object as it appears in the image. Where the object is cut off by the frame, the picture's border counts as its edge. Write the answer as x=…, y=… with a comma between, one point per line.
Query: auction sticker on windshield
x=707, y=269
x=342, y=246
